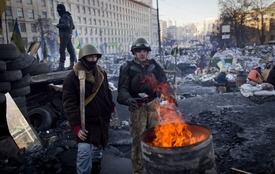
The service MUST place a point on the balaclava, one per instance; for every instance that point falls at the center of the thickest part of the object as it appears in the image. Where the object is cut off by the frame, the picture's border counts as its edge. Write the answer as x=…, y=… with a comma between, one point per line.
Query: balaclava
x=61, y=9
x=87, y=64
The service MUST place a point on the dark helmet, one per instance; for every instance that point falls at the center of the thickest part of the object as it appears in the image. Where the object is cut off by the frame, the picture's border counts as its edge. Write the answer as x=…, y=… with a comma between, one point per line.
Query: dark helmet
x=88, y=50
x=140, y=43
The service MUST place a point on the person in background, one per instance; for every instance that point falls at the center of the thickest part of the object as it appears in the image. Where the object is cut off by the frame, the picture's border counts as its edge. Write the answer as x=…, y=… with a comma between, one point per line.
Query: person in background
x=271, y=77
x=255, y=75
x=221, y=78
x=142, y=97
x=65, y=27
x=98, y=109
x=222, y=81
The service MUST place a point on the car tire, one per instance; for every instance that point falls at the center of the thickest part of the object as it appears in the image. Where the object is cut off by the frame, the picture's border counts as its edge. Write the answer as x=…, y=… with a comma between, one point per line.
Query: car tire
x=8, y=52
x=40, y=119
x=21, y=62
x=10, y=76
x=25, y=81
x=3, y=66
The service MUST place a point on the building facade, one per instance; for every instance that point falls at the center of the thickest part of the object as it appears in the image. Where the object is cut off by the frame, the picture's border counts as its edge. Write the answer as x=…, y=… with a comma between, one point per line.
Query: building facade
x=111, y=25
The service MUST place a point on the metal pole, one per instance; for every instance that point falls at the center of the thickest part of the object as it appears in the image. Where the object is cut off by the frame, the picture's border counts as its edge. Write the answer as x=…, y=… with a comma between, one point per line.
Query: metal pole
x=7, y=28
x=160, y=50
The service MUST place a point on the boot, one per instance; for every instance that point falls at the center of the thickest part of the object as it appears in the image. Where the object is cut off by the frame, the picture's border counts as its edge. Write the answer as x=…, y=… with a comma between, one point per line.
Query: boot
x=60, y=67
x=71, y=66
x=96, y=167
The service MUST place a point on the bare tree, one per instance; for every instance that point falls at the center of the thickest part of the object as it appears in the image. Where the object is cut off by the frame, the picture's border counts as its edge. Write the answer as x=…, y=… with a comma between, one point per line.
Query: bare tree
x=260, y=9
x=234, y=13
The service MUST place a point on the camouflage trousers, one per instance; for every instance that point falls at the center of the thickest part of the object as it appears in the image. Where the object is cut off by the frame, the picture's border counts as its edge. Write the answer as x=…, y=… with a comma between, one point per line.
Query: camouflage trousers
x=143, y=118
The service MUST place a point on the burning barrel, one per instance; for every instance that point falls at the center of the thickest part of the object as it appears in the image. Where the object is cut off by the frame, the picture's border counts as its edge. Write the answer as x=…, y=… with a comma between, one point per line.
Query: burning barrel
x=195, y=155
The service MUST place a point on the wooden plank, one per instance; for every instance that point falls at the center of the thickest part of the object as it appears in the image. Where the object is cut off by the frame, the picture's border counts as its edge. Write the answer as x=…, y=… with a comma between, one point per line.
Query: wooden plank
x=170, y=71
x=234, y=170
x=49, y=77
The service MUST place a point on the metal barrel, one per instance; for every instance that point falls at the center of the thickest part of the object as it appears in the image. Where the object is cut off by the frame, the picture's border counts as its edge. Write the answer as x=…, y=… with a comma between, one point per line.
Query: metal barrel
x=195, y=158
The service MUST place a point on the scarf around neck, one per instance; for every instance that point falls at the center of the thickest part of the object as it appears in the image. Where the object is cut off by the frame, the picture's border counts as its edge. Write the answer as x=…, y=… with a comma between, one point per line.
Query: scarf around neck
x=95, y=79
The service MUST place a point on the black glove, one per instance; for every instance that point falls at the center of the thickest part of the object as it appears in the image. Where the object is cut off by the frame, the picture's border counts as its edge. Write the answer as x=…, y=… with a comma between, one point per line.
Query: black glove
x=132, y=103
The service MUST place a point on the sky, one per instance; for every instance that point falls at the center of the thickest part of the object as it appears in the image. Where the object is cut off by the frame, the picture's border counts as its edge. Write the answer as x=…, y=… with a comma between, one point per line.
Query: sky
x=187, y=11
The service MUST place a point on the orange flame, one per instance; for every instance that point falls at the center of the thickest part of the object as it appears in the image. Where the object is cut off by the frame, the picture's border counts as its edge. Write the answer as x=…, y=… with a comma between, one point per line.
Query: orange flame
x=172, y=131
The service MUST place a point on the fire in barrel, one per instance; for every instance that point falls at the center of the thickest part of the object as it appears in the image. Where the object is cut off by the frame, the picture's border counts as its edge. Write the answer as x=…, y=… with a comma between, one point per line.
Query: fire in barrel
x=191, y=152
x=176, y=147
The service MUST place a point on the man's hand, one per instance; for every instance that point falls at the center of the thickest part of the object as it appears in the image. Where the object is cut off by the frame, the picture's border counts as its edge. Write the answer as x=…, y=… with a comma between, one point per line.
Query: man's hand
x=132, y=103
x=82, y=135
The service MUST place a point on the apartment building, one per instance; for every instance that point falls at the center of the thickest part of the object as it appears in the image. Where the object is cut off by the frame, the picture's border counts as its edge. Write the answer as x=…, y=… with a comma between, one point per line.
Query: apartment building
x=111, y=25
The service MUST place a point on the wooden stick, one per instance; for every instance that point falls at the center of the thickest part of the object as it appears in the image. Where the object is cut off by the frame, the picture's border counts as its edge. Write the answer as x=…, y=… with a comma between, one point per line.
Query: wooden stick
x=81, y=77
x=240, y=171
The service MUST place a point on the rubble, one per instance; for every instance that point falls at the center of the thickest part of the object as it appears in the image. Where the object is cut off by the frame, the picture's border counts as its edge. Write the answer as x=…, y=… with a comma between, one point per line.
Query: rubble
x=242, y=127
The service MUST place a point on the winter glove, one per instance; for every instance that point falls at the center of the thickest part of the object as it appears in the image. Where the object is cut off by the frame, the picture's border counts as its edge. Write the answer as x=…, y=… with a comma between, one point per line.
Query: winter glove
x=132, y=103
x=77, y=129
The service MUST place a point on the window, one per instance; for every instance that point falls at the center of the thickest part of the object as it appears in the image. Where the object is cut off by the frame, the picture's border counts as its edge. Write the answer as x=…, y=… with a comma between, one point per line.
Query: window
x=23, y=27
x=10, y=24
x=51, y=4
x=18, y=0
x=44, y=15
x=20, y=12
x=89, y=10
x=84, y=20
x=77, y=9
x=78, y=19
x=91, y=31
x=43, y=4
x=29, y=1
x=90, y=21
x=69, y=7
x=33, y=27
x=30, y=14
x=8, y=11
x=25, y=40
x=52, y=15
x=83, y=9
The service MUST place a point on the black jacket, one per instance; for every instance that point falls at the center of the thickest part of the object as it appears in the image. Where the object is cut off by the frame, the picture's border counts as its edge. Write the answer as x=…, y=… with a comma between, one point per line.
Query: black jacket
x=221, y=78
x=132, y=81
x=66, y=25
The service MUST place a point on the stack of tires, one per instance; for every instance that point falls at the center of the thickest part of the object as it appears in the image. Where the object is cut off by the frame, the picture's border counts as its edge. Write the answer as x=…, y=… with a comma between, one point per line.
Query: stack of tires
x=15, y=74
